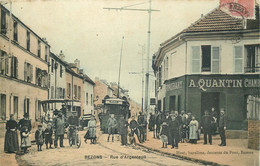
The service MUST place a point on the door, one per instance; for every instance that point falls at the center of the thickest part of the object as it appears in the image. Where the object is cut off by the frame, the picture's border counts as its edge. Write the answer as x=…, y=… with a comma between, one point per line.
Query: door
x=209, y=100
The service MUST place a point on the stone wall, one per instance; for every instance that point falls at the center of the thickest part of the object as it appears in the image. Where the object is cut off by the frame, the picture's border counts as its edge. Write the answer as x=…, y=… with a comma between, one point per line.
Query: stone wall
x=253, y=134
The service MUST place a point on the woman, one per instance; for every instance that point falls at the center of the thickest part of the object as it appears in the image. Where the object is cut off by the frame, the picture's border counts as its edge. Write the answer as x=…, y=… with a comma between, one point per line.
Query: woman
x=92, y=129
x=194, y=126
x=11, y=137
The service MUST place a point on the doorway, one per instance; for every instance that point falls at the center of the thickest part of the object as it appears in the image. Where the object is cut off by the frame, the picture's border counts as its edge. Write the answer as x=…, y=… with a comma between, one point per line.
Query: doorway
x=209, y=100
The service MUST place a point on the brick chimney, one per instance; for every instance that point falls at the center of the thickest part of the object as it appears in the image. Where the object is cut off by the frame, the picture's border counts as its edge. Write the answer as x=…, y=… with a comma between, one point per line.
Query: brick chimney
x=77, y=63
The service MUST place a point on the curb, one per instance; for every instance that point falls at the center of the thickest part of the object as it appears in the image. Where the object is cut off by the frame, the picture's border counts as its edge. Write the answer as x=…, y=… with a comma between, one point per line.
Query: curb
x=180, y=156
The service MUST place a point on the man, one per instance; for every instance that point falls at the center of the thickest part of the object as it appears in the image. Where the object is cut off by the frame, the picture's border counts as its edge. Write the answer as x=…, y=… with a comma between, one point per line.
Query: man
x=189, y=118
x=214, y=115
x=59, y=127
x=151, y=122
x=179, y=119
x=158, y=122
x=142, y=126
x=123, y=126
x=222, y=127
x=174, y=129
x=133, y=130
x=73, y=121
x=168, y=120
x=206, y=126
x=111, y=123
x=25, y=122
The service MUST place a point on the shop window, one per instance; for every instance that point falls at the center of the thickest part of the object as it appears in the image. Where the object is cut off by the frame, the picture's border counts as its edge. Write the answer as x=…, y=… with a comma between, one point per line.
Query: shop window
x=252, y=58
x=238, y=59
x=4, y=63
x=14, y=67
x=3, y=106
x=28, y=41
x=15, y=31
x=3, y=22
x=39, y=49
x=28, y=72
x=15, y=105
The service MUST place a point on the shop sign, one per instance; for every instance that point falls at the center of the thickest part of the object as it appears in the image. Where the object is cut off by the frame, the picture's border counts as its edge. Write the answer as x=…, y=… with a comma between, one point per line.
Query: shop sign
x=174, y=86
x=204, y=84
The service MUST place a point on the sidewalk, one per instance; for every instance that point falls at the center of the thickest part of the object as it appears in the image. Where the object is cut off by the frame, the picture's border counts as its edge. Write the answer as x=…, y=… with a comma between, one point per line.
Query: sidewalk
x=235, y=153
x=6, y=158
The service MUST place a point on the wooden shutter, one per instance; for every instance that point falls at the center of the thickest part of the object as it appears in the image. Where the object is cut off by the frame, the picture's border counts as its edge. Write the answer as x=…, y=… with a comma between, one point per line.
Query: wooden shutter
x=195, y=59
x=215, y=59
x=238, y=59
x=25, y=71
x=31, y=72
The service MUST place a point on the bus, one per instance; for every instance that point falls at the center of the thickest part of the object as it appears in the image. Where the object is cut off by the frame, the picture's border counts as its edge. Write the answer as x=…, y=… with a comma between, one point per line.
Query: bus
x=117, y=106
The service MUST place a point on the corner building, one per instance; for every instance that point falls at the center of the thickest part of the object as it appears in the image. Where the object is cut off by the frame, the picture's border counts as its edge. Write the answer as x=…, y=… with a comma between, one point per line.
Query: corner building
x=213, y=63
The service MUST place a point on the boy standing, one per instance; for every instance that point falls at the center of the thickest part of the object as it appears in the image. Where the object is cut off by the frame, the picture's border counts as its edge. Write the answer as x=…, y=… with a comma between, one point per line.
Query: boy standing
x=39, y=137
x=48, y=136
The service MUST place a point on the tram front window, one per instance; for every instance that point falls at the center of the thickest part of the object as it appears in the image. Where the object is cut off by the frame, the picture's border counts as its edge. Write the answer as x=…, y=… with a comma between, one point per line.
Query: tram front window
x=114, y=109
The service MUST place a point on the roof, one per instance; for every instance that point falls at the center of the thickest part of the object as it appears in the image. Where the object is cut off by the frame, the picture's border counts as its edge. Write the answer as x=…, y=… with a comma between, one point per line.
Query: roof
x=89, y=79
x=218, y=20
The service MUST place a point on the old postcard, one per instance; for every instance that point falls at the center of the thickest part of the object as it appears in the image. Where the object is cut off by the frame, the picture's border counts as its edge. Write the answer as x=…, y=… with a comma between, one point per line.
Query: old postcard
x=129, y=82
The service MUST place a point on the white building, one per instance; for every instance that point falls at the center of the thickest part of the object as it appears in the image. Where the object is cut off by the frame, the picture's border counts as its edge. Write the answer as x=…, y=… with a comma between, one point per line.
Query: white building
x=89, y=95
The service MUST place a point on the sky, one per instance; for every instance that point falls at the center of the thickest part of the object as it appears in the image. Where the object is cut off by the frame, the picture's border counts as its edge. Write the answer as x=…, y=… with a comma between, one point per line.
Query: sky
x=83, y=30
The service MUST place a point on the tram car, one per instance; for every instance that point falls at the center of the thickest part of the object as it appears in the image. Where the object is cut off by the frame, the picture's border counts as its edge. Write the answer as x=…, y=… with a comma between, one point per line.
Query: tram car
x=117, y=106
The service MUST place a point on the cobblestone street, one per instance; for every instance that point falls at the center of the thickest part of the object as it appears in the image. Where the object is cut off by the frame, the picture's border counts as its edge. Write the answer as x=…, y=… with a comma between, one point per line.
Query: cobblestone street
x=103, y=153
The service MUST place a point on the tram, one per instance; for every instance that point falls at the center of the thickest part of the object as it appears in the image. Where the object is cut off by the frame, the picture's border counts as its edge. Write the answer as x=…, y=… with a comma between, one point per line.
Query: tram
x=117, y=106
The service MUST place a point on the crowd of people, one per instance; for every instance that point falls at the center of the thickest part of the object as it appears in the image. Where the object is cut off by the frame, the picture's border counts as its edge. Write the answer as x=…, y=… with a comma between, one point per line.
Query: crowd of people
x=174, y=128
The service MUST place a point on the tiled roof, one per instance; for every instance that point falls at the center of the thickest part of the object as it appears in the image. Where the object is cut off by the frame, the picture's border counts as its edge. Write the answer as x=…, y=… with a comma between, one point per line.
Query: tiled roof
x=218, y=20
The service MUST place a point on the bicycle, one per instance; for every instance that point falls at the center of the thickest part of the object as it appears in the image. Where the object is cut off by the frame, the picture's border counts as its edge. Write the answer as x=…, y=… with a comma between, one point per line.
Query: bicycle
x=73, y=136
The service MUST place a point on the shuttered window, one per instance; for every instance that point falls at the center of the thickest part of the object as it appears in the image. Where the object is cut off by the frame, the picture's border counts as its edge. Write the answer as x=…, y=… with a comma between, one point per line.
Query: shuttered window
x=238, y=59
x=195, y=59
x=215, y=67
x=14, y=67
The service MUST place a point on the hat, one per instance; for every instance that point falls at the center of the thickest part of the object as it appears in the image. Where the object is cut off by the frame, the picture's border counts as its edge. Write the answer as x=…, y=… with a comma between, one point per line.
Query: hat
x=26, y=115
x=164, y=124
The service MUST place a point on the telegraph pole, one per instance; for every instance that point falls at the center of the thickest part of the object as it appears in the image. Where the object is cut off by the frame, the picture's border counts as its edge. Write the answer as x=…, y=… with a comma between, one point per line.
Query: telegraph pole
x=149, y=10
x=120, y=67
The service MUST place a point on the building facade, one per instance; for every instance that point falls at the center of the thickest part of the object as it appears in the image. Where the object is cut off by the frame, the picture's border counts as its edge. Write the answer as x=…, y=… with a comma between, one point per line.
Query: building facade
x=88, y=95
x=213, y=63
x=23, y=69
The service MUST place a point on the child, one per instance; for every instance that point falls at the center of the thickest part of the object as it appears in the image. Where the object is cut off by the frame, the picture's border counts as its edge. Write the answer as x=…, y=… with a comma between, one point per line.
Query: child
x=163, y=134
x=26, y=141
x=48, y=136
x=39, y=137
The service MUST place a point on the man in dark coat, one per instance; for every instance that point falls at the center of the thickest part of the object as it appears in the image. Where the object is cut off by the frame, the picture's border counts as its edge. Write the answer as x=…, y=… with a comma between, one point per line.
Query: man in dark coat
x=222, y=127
x=142, y=126
x=59, y=128
x=189, y=118
x=168, y=120
x=123, y=126
x=158, y=122
x=206, y=126
x=151, y=122
x=25, y=122
x=214, y=115
x=174, y=130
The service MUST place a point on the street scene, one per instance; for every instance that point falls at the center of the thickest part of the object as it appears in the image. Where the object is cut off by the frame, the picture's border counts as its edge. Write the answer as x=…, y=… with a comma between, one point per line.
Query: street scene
x=129, y=82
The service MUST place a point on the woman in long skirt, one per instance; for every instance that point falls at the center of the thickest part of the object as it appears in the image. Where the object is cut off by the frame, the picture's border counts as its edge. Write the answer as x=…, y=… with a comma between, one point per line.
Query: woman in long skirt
x=92, y=129
x=11, y=137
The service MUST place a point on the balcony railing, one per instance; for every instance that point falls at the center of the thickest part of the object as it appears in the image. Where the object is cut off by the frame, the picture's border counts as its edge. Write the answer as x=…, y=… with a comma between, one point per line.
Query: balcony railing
x=252, y=69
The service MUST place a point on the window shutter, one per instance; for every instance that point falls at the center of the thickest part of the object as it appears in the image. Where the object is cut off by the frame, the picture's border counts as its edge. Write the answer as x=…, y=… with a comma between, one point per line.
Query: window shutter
x=16, y=67
x=238, y=59
x=215, y=60
x=195, y=59
x=25, y=71
x=31, y=73
x=12, y=67
x=6, y=64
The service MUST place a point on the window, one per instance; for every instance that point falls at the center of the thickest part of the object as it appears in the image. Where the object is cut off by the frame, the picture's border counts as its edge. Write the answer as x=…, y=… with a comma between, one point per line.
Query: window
x=63, y=93
x=75, y=91
x=61, y=71
x=252, y=58
x=87, y=98
x=79, y=92
x=159, y=105
x=52, y=92
x=14, y=67
x=206, y=58
x=69, y=90
x=3, y=22
x=52, y=65
x=15, y=104
x=3, y=106
x=238, y=59
x=46, y=54
x=4, y=63
x=166, y=68
x=164, y=104
x=38, y=78
x=195, y=59
x=27, y=106
x=172, y=105
x=160, y=76
x=15, y=31
x=91, y=98
x=28, y=41
x=28, y=72
x=39, y=49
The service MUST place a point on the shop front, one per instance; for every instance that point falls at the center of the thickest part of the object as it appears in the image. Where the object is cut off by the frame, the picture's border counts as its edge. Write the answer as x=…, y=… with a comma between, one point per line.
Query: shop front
x=198, y=93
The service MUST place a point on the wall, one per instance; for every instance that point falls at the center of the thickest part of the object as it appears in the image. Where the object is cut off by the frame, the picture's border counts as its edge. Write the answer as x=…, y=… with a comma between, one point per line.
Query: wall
x=88, y=106
x=253, y=134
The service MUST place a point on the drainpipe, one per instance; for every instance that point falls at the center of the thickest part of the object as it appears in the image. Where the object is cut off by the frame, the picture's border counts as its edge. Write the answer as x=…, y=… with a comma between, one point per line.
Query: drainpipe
x=72, y=87
x=185, y=82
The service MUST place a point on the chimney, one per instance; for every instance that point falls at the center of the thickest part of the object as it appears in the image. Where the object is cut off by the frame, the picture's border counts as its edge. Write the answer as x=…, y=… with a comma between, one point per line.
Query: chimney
x=77, y=63
x=62, y=56
x=201, y=15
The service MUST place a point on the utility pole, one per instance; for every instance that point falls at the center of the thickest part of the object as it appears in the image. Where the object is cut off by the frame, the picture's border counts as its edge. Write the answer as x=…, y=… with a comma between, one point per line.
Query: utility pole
x=120, y=67
x=149, y=10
